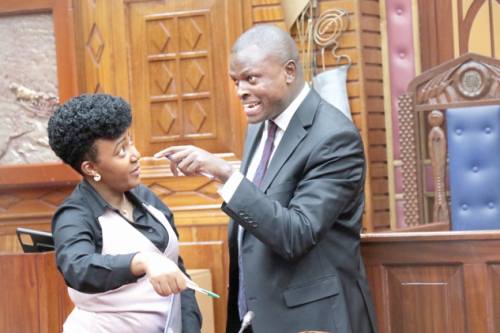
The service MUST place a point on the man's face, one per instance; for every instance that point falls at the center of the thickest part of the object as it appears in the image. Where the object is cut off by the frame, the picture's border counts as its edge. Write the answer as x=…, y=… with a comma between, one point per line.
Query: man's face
x=260, y=83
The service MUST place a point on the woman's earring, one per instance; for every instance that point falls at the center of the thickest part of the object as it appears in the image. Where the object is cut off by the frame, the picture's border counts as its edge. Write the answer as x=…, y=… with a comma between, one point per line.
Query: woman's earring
x=97, y=177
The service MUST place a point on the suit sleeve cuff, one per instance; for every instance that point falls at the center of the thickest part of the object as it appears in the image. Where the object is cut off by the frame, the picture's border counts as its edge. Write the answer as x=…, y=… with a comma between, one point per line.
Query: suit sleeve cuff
x=227, y=190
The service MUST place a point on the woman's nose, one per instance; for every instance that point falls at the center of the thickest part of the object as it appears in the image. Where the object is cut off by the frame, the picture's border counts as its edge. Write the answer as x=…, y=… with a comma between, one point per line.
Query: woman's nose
x=135, y=155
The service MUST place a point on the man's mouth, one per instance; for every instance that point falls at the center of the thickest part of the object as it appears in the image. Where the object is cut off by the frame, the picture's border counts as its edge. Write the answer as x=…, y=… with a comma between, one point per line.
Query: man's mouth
x=250, y=108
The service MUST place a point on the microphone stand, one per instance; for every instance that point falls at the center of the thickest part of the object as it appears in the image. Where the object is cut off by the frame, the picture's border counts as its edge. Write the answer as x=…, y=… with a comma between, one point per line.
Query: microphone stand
x=247, y=320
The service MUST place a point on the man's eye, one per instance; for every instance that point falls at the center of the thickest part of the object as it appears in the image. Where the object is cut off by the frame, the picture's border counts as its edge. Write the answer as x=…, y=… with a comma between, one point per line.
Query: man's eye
x=252, y=79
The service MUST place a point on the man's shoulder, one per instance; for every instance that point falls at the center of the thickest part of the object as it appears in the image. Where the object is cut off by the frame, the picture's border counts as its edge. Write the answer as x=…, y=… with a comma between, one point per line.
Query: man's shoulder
x=331, y=119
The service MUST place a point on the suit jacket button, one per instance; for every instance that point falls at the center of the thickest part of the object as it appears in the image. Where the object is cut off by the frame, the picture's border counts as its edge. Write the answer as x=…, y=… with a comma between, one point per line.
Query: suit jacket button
x=250, y=220
x=241, y=212
x=254, y=224
x=245, y=216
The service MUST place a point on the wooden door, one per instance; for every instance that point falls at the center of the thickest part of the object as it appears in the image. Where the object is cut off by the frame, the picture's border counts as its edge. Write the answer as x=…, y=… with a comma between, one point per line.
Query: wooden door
x=179, y=54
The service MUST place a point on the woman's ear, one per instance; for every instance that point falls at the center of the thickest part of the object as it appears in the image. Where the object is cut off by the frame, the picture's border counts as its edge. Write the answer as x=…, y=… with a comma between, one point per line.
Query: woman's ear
x=290, y=70
x=88, y=169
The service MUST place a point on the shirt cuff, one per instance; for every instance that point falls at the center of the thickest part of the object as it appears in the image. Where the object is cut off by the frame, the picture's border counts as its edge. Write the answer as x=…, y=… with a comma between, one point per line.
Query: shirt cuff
x=227, y=190
x=122, y=271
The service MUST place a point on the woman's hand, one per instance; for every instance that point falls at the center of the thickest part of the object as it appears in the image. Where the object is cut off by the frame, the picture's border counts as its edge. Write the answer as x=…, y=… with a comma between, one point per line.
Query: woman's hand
x=163, y=273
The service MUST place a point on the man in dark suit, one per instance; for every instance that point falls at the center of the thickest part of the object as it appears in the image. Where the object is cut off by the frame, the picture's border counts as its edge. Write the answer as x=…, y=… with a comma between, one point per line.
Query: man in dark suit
x=296, y=204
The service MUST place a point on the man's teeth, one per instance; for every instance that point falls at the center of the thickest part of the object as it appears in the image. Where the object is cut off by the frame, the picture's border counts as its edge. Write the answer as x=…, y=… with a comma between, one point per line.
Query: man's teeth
x=251, y=106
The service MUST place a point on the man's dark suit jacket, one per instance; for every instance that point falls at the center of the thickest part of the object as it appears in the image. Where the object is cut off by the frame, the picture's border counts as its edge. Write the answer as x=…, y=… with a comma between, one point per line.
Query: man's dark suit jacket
x=301, y=259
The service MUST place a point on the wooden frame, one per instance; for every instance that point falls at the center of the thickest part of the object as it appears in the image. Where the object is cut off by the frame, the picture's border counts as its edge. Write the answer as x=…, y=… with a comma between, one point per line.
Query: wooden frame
x=62, y=10
x=437, y=90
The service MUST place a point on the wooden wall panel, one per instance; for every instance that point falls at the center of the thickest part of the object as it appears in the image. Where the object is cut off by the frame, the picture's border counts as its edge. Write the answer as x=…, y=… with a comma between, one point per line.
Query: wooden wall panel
x=34, y=295
x=211, y=255
x=434, y=281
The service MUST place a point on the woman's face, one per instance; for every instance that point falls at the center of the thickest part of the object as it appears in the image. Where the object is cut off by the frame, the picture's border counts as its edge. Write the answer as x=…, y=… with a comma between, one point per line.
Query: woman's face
x=118, y=163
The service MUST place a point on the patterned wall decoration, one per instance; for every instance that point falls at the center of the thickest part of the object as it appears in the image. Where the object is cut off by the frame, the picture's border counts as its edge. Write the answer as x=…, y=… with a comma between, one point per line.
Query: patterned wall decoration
x=180, y=76
x=28, y=88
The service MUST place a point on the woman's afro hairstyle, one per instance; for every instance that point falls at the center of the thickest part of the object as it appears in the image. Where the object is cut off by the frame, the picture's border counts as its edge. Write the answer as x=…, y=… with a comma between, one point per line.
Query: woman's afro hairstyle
x=77, y=124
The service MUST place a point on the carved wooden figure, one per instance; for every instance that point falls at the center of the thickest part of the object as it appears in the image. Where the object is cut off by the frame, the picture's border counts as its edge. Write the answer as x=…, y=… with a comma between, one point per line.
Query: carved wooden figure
x=437, y=154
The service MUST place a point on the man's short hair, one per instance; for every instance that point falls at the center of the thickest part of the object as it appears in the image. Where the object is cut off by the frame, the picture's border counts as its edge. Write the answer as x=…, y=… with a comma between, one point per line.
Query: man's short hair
x=270, y=39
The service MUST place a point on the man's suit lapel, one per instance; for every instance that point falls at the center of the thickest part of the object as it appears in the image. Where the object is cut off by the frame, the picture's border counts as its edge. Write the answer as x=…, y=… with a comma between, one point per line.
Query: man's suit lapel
x=294, y=134
x=252, y=140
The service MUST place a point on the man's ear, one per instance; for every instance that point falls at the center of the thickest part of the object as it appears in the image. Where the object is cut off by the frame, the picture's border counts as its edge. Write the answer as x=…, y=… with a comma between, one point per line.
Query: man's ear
x=290, y=71
x=88, y=169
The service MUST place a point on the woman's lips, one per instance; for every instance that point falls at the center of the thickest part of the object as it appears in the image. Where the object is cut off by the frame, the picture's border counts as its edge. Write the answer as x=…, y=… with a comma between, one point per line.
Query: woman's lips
x=136, y=172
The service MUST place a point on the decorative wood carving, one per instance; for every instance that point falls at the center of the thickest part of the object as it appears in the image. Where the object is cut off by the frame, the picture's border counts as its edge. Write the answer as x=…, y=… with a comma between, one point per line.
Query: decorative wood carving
x=437, y=153
x=181, y=76
x=470, y=80
x=408, y=148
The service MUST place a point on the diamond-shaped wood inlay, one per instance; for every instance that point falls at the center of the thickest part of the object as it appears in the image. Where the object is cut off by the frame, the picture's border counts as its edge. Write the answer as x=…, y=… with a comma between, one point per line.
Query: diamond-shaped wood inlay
x=197, y=116
x=163, y=78
x=210, y=190
x=160, y=190
x=54, y=198
x=7, y=201
x=193, y=34
x=195, y=74
x=167, y=118
x=98, y=89
x=95, y=45
x=160, y=36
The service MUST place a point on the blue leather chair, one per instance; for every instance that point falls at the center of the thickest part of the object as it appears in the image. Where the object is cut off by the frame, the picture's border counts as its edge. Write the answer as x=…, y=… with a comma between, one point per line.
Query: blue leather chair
x=474, y=160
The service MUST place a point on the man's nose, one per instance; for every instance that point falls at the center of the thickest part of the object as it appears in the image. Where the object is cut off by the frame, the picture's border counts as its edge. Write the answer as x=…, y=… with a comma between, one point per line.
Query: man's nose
x=241, y=90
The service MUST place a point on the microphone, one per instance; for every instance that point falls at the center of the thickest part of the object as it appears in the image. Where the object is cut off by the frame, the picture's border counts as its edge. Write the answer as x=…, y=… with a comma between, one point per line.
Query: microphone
x=247, y=320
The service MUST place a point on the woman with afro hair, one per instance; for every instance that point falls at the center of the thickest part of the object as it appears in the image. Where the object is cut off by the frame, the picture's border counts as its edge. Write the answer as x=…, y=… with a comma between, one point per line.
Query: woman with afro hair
x=116, y=243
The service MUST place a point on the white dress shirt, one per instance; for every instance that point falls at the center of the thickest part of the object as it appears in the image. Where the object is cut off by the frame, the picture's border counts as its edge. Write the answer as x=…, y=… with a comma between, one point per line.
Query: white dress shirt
x=229, y=188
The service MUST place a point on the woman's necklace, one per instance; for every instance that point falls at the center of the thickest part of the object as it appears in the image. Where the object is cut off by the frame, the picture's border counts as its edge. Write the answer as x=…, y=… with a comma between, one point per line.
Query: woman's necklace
x=124, y=211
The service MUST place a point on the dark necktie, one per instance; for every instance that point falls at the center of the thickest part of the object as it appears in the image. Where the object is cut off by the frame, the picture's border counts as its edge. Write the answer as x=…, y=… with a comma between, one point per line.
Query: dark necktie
x=266, y=154
x=257, y=180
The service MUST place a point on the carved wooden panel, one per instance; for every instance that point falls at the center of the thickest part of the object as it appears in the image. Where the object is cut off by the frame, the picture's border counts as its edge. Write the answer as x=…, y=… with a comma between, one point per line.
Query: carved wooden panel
x=93, y=43
x=180, y=76
x=409, y=156
x=471, y=80
x=434, y=281
x=494, y=276
x=179, y=69
x=426, y=299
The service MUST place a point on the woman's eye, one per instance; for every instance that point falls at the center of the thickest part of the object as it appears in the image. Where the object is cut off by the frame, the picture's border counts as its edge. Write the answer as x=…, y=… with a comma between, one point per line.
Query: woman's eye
x=122, y=151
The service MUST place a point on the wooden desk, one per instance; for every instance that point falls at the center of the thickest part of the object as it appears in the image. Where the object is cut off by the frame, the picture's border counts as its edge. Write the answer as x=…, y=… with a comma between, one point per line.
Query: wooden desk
x=34, y=294
x=434, y=281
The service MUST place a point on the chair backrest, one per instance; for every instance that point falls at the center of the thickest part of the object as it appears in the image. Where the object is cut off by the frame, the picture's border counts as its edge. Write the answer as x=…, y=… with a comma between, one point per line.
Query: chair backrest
x=469, y=81
x=474, y=154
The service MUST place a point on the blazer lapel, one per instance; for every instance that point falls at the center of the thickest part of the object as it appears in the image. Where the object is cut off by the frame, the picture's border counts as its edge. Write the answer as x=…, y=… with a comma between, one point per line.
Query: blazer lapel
x=254, y=134
x=294, y=134
x=251, y=142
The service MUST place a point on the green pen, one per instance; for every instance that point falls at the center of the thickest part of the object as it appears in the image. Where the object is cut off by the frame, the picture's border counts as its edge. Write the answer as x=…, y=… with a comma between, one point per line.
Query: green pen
x=206, y=292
